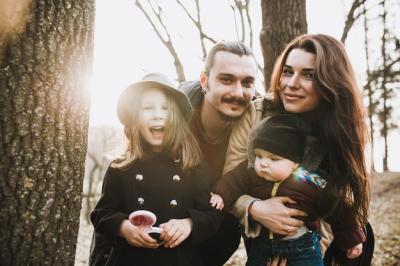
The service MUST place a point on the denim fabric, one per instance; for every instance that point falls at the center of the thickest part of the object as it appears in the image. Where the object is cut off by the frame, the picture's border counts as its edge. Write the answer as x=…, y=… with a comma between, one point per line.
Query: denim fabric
x=302, y=251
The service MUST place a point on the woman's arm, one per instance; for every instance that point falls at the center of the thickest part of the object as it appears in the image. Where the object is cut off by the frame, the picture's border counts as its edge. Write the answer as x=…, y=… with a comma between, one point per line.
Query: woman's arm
x=274, y=215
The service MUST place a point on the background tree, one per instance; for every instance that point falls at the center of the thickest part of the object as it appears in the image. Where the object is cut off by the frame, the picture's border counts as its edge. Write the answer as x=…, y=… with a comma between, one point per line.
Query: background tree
x=154, y=15
x=382, y=49
x=282, y=21
x=385, y=88
x=44, y=107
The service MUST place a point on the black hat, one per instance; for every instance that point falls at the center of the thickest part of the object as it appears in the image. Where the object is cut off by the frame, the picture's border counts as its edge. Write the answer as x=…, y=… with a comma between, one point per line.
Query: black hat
x=152, y=80
x=283, y=135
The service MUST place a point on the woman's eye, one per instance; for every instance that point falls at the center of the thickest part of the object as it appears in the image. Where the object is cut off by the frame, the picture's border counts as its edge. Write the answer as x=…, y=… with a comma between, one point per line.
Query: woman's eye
x=309, y=75
x=287, y=72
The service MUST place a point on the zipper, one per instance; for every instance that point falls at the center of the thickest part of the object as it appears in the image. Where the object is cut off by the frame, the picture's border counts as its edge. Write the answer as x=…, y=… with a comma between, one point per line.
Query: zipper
x=273, y=194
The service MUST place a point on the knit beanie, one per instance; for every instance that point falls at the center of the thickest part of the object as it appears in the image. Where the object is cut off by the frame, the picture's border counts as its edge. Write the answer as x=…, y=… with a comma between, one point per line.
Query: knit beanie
x=283, y=135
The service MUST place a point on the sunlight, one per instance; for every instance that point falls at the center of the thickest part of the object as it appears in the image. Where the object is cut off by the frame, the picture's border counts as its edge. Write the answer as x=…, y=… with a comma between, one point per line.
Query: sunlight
x=126, y=48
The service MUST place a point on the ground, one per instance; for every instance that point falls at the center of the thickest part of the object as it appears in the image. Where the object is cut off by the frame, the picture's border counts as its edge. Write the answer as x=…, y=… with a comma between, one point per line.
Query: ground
x=384, y=218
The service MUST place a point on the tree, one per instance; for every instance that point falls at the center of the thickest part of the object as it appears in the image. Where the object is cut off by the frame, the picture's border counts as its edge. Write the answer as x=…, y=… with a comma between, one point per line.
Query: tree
x=282, y=21
x=156, y=16
x=372, y=103
x=44, y=109
x=384, y=75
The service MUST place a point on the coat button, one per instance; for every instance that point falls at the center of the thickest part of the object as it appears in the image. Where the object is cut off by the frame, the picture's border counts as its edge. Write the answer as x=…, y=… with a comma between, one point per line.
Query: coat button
x=139, y=177
x=176, y=178
x=140, y=201
x=177, y=160
x=173, y=203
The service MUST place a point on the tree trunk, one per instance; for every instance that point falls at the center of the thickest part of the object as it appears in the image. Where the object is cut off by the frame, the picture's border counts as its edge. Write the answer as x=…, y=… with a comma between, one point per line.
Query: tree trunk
x=44, y=105
x=385, y=111
x=368, y=88
x=282, y=21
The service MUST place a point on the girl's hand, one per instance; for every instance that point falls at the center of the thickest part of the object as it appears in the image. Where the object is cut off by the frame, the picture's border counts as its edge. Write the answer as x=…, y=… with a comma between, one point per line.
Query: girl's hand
x=217, y=201
x=136, y=236
x=354, y=252
x=175, y=231
x=273, y=214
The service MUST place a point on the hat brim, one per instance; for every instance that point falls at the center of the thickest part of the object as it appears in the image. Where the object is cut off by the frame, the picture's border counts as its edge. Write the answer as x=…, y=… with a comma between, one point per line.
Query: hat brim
x=179, y=97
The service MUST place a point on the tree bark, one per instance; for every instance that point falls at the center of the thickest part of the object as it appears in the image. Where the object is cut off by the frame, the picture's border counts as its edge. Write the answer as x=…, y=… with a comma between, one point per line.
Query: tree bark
x=282, y=21
x=44, y=104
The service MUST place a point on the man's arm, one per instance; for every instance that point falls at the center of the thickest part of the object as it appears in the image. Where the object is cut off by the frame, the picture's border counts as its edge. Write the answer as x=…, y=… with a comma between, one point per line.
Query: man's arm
x=238, y=141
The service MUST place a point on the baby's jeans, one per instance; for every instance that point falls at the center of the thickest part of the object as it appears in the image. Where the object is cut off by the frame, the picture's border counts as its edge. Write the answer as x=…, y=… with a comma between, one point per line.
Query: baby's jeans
x=301, y=251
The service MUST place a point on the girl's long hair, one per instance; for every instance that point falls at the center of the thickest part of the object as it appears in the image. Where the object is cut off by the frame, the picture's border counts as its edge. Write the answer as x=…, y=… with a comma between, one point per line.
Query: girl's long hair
x=343, y=117
x=178, y=140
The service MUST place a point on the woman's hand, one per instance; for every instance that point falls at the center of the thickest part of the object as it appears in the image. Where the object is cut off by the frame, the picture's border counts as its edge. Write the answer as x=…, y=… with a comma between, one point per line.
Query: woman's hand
x=354, y=252
x=136, y=236
x=217, y=201
x=175, y=231
x=274, y=215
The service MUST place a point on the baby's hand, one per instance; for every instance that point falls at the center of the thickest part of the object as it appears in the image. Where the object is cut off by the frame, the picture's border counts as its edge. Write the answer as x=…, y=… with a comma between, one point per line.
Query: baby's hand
x=354, y=252
x=217, y=201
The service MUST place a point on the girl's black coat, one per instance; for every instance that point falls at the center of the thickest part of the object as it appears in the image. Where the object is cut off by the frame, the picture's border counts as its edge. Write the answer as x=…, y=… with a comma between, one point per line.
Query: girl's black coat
x=123, y=192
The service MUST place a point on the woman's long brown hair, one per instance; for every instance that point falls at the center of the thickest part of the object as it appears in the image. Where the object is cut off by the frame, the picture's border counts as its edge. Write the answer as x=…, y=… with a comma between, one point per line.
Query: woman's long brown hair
x=343, y=117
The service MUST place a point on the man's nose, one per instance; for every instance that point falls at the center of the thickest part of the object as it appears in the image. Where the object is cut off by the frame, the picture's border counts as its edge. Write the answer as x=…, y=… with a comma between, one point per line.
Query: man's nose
x=238, y=89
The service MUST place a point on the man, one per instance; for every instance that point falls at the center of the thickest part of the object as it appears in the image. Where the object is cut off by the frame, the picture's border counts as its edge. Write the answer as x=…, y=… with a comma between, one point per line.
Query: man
x=220, y=98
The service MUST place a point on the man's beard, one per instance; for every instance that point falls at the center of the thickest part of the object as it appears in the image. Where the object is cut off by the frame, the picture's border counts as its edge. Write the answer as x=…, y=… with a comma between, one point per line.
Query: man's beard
x=236, y=100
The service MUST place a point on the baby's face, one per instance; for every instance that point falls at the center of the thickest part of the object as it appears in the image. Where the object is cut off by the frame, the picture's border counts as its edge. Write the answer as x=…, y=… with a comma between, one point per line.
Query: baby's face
x=272, y=167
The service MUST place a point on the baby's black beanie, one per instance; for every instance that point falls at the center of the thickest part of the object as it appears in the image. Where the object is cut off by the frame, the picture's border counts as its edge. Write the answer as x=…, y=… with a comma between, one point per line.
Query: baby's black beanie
x=283, y=135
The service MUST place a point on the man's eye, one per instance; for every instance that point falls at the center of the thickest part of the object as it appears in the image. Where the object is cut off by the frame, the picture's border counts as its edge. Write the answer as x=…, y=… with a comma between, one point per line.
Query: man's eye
x=226, y=80
x=248, y=83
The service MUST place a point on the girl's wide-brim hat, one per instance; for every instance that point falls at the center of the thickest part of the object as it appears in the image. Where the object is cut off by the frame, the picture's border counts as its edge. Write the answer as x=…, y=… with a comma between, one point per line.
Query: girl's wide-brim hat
x=151, y=80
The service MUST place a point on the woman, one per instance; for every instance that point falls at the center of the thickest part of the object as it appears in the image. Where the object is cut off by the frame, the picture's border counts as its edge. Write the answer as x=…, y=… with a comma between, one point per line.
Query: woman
x=313, y=77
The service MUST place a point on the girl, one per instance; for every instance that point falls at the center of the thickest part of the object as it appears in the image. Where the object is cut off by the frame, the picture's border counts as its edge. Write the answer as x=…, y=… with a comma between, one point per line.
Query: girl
x=313, y=77
x=161, y=172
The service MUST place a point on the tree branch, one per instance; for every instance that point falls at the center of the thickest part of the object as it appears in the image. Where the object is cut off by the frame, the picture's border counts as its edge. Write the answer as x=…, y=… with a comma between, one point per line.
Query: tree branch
x=351, y=18
x=197, y=23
